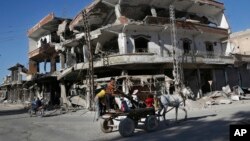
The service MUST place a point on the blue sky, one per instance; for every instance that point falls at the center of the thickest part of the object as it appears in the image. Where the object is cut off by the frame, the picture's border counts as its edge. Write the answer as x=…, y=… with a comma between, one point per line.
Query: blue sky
x=17, y=16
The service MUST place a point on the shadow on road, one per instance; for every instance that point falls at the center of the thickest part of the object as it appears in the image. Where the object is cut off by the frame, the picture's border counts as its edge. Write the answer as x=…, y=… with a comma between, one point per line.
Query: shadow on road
x=13, y=112
x=192, y=129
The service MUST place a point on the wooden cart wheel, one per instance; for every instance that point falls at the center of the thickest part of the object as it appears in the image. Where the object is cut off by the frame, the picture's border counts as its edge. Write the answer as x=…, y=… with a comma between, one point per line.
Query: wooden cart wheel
x=106, y=125
x=151, y=123
x=126, y=127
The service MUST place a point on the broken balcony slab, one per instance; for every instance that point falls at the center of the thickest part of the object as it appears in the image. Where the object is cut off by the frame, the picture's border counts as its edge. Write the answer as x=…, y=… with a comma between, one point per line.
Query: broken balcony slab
x=44, y=26
x=97, y=13
x=206, y=6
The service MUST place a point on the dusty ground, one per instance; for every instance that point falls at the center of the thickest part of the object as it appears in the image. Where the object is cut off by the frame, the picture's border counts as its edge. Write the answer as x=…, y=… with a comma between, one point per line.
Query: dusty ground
x=210, y=124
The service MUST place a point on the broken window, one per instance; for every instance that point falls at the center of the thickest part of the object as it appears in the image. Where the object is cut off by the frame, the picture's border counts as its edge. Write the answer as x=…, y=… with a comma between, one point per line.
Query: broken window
x=70, y=58
x=79, y=54
x=137, y=13
x=162, y=12
x=141, y=44
x=209, y=49
x=186, y=46
x=54, y=37
x=111, y=46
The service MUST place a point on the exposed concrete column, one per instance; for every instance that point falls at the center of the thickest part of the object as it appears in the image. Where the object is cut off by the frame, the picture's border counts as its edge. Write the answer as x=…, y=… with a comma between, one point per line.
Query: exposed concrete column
x=125, y=87
x=62, y=60
x=153, y=12
x=72, y=50
x=199, y=83
x=122, y=41
x=73, y=53
x=10, y=97
x=118, y=11
x=85, y=53
x=33, y=67
x=64, y=95
x=19, y=79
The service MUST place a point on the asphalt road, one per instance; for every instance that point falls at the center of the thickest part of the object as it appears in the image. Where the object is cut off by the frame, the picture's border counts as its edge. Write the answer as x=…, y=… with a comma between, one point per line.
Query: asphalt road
x=211, y=124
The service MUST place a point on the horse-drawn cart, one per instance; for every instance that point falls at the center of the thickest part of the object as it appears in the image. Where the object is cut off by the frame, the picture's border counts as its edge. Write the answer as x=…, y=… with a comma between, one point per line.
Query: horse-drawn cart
x=129, y=119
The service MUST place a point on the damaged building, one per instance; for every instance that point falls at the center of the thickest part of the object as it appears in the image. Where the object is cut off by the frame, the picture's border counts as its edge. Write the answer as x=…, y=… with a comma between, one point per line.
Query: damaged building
x=11, y=88
x=238, y=47
x=44, y=60
x=132, y=41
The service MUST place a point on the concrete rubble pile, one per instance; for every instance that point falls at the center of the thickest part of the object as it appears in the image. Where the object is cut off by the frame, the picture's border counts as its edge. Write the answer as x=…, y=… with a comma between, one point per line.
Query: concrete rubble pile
x=226, y=96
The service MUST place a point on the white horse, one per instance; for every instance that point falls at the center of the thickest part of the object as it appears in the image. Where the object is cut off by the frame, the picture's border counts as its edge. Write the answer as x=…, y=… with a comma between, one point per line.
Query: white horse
x=176, y=101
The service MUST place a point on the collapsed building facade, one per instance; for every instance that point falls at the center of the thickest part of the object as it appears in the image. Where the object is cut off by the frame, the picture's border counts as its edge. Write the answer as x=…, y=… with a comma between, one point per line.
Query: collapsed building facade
x=12, y=86
x=43, y=60
x=132, y=41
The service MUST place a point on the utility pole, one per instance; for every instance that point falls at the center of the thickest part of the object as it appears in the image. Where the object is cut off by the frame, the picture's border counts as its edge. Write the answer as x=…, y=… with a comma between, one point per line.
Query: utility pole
x=90, y=70
x=177, y=70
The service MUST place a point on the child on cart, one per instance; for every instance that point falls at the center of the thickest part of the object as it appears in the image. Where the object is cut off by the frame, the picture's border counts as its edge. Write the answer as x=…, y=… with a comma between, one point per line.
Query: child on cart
x=150, y=101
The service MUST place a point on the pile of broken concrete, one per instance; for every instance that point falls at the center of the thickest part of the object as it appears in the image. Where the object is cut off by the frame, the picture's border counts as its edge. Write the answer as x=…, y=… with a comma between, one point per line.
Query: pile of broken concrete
x=226, y=96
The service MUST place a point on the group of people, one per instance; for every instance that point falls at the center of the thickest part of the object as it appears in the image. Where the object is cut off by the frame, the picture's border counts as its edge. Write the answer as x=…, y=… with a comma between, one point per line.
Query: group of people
x=105, y=98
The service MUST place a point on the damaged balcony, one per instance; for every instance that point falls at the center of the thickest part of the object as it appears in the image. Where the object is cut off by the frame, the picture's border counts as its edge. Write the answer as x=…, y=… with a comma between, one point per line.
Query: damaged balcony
x=99, y=14
x=42, y=40
x=126, y=61
x=46, y=26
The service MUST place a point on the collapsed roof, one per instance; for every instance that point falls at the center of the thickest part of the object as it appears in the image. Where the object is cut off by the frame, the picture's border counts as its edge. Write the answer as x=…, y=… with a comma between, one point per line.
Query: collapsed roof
x=102, y=12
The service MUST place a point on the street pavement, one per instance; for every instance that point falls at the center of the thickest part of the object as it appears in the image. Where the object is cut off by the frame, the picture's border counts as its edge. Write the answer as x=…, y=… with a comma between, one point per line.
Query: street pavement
x=210, y=124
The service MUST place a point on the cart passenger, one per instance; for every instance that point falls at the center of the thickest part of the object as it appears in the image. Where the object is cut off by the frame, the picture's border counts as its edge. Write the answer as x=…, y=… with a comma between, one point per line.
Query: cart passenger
x=150, y=101
x=99, y=98
x=110, y=94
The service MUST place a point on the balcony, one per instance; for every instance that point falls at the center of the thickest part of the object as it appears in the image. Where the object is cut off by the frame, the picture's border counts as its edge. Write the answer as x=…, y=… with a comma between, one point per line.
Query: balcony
x=41, y=53
x=207, y=57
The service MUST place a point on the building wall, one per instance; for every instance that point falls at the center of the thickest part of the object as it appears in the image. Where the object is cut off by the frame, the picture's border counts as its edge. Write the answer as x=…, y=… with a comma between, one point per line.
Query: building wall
x=32, y=45
x=239, y=43
x=201, y=46
x=160, y=43
x=243, y=43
